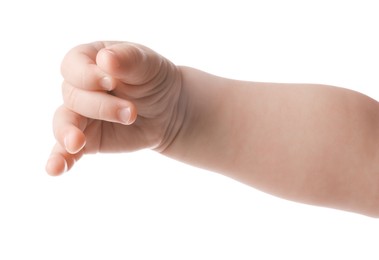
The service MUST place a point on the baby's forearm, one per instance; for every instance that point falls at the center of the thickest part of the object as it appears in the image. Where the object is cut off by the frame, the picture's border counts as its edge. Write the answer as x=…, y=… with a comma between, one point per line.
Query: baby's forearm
x=309, y=143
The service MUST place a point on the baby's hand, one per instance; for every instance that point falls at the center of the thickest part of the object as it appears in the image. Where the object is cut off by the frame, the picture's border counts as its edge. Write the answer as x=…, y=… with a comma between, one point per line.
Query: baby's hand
x=118, y=97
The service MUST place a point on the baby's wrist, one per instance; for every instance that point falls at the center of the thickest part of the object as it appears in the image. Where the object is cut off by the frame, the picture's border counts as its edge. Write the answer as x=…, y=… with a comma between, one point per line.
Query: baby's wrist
x=177, y=117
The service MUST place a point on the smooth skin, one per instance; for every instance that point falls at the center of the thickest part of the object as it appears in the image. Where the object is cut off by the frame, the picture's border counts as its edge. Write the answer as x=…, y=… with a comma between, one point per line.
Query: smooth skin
x=309, y=143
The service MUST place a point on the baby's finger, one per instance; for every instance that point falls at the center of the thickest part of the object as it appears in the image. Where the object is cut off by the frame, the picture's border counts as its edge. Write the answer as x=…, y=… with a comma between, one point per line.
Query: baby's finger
x=68, y=128
x=131, y=63
x=60, y=160
x=98, y=105
x=80, y=70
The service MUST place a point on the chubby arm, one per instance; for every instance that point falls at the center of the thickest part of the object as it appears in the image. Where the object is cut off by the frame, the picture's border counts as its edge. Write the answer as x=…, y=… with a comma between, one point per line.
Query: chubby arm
x=309, y=143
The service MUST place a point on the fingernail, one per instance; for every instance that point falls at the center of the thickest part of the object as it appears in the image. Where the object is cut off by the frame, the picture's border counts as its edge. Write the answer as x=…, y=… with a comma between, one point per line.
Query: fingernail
x=69, y=145
x=106, y=83
x=124, y=115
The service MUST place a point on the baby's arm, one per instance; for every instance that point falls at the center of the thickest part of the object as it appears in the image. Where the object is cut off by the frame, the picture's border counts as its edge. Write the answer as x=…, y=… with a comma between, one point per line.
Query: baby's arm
x=308, y=143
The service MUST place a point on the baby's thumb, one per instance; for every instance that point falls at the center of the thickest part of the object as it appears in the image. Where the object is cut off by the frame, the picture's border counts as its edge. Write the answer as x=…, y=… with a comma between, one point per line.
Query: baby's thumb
x=131, y=63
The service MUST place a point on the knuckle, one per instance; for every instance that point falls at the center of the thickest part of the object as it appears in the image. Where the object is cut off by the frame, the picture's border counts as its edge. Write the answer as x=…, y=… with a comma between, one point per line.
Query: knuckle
x=78, y=66
x=63, y=68
x=65, y=65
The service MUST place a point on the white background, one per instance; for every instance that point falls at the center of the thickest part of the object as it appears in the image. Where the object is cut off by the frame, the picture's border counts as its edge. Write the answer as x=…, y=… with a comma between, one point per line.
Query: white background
x=143, y=205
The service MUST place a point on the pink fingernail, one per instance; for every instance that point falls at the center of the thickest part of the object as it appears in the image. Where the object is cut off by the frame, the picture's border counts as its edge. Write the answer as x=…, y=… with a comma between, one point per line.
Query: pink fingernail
x=66, y=143
x=69, y=146
x=106, y=83
x=124, y=115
